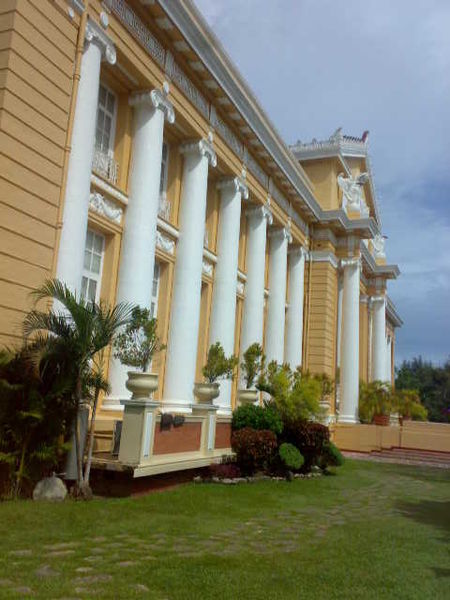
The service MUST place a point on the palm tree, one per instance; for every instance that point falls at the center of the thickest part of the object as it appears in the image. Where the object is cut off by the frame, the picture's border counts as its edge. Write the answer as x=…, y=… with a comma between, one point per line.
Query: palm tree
x=75, y=331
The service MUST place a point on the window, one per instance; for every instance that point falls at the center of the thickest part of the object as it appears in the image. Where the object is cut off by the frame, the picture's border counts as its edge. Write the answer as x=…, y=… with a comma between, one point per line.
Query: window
x=155, y=292
x=93, y=264
x=164, y=204
x=106, y=120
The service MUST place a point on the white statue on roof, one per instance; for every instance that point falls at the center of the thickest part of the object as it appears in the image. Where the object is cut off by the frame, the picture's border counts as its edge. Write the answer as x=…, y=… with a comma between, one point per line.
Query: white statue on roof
x=352, y=193
x=379, y=242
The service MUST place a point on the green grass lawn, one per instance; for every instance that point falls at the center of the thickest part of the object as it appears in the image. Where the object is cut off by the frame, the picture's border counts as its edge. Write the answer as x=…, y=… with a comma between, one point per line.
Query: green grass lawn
x=373, y=531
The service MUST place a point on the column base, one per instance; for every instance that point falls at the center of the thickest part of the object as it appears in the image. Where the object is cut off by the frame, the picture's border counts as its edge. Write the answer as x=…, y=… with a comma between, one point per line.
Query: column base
x=347, y=419
x=113, y=403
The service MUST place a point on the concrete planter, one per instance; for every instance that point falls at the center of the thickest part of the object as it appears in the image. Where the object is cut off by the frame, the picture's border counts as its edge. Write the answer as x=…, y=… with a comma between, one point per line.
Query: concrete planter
x=247, y=396
x=141, y=385
x=206, y=392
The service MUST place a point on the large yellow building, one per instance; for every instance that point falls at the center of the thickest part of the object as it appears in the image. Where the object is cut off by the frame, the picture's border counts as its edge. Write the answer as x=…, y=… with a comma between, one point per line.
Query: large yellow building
x=137, y=165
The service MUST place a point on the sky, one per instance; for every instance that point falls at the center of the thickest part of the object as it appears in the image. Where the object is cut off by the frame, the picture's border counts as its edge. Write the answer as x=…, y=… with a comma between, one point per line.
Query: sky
x=381, y=65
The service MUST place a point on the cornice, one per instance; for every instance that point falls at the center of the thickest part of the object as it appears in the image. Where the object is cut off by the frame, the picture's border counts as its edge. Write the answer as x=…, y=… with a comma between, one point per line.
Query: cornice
x=324, y=256
x=384, y=271
x=392, y=314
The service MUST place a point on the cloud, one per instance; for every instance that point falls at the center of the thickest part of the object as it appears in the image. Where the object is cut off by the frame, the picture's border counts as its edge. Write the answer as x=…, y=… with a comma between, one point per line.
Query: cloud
x=380, y=65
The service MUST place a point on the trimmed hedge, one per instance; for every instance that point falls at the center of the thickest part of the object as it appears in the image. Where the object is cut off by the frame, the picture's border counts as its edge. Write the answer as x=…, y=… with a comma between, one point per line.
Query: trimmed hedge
x=257, y=417
x=309, y=438
x=290, y=456
x=254, y=449
x=331, y=456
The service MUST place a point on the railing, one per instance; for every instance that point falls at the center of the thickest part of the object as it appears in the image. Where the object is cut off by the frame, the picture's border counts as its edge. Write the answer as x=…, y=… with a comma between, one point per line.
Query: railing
x=105, y=165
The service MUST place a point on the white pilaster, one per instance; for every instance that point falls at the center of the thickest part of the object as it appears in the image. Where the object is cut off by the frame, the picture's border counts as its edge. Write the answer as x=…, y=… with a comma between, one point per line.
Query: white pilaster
x=276, y=312
x=388, y=377
x=76, y=203
x=139, y=237
x=379, y=338
x=294, y=317
x=223, y=309
x=349, y=373
x=186, y=294
x=253, y=312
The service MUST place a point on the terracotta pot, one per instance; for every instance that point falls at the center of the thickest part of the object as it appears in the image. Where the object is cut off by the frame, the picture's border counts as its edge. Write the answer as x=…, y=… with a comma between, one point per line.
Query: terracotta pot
x=141, y=385
x=206, y=392
x=382, y=420
x=247, y=396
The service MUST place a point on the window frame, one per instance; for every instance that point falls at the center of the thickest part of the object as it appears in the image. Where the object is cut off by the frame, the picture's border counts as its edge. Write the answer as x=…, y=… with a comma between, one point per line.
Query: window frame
x=154, y=298
x=88, y=273
x=112, y=133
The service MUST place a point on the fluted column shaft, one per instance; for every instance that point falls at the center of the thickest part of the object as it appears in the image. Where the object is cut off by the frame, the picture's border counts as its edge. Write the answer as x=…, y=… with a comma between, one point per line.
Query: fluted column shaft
x=137, y=259
x=379, y=338
x=276, y=313
x=349, y=373
x=294, y=317
x=253, y=313
x=76, y=202
x=223, y=309
x=186, y=293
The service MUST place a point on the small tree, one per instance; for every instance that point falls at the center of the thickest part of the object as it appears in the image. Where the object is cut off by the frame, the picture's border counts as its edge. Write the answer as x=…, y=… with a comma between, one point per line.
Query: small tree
x=407, y=404
x=137, y=344
x=375, y=398
x=218, y=366
x=252, y=364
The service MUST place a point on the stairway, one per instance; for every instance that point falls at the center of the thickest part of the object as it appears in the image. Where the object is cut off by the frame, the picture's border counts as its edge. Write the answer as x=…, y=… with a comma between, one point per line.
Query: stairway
x=413, y=457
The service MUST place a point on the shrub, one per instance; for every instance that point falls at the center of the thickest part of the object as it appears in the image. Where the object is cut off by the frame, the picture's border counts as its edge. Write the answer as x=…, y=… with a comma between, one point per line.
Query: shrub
x=407, y=404
x=296, y=395
x=225, y=471
x=309, y=438
x=254, y=449
x=252, y=363
x=290, y=456
x=330, y=456
x=257, y=417
x=375, y=398
x=218, y=366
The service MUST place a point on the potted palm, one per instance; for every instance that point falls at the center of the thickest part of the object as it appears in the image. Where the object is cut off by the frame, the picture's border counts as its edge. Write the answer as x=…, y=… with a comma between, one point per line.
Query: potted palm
x=135, y=347
x=407, y=404
x=252, y=366
x=217, y=366
x=375, y=402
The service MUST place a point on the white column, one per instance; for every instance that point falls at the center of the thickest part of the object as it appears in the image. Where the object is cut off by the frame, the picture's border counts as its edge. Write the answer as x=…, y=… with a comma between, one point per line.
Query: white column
x=253, y=312
x=223, y=309
x=379, y=338
x=339, y=320
x=276, y=311
x=139, y=236
x=349, y=391
x=294, y=318
x=186, y=293
x=76, y=202
x=388, y=377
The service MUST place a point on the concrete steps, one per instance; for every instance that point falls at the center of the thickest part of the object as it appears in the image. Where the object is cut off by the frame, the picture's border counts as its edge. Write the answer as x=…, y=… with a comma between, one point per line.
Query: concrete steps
x=414, y=456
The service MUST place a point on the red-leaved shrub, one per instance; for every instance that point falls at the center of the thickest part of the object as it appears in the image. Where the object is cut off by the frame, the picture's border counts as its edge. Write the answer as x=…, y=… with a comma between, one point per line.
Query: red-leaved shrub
x=254, y=449
x=225, y=471
x=309, y=438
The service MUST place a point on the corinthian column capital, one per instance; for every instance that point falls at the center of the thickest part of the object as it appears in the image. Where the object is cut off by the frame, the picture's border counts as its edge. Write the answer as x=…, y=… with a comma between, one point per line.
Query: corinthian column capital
x=96, y=35
x=281, y=233
x=156, y=99
x=351, y=262
x=202, y=147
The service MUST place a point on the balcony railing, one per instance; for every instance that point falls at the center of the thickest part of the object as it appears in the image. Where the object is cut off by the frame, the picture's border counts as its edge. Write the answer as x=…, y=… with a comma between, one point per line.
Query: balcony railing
x=105, y=166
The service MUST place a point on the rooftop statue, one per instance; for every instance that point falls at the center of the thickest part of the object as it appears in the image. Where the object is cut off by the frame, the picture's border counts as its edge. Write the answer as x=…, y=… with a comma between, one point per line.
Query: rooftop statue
x=352, y=199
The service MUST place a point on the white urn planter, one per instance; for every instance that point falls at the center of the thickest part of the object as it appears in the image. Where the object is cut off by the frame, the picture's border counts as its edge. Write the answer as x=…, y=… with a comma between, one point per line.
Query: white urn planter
x=141, y=385
x=206, y=392
x=247, y=396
